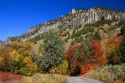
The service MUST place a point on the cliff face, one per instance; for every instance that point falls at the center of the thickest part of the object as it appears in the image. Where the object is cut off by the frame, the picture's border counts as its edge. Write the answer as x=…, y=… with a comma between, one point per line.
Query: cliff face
x=72, y=20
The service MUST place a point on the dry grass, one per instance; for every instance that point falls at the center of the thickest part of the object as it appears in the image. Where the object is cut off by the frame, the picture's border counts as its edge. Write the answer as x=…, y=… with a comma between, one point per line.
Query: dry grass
x=39, y=78
x=43, y=78
x=53, y=79
x=109, y=74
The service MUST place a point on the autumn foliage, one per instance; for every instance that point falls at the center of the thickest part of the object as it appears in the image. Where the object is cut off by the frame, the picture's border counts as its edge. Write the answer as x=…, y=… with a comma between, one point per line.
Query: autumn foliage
x=113, y=53
x=16, y=57
x=85, y=69
x=86, y=62
x=4, y=76
x=98, y=52
x=116, y=40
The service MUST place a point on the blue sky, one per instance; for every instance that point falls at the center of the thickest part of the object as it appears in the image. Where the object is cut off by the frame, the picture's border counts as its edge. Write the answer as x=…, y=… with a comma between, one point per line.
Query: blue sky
x=18, y=16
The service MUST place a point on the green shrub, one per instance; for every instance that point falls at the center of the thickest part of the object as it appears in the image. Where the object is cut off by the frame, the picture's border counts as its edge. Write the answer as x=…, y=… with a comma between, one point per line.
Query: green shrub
x=96, y=36
x=53, y=51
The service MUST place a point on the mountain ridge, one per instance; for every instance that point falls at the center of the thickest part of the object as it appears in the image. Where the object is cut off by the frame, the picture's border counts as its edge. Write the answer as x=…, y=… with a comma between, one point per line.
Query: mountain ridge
x=71, y=20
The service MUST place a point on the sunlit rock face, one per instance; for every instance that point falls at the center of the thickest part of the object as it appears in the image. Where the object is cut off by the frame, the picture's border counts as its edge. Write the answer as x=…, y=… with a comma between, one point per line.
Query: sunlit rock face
x=74, y=19
x=94, y=15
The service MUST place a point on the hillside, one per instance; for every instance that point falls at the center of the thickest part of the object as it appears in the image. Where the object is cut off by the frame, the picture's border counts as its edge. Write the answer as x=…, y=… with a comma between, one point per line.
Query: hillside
x=78, y=26
x=76, y=18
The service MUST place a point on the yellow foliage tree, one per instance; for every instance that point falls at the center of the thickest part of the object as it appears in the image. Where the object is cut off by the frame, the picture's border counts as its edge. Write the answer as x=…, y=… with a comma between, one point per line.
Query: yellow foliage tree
x=61, y=69
x=21, y=52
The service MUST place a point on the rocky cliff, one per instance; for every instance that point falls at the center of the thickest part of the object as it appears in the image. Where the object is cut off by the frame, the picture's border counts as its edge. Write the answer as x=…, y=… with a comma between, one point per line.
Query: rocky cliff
x=72, y=20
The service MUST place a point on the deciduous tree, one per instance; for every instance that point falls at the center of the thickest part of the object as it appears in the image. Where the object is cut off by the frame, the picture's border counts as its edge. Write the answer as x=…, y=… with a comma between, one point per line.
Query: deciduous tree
x=53, y=51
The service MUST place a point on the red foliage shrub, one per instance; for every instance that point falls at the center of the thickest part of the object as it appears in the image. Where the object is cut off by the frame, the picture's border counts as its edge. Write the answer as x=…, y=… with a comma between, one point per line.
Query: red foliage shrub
x=71, y=50
x=4, y=76
x=86, y=63
x=74, y=62
x=98, y=52
x=86, y=68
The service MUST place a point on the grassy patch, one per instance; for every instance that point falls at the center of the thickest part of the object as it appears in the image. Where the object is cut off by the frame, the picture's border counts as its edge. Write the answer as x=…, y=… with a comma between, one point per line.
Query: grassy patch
x=109, y=74
x=53, y=79
x=44, y=78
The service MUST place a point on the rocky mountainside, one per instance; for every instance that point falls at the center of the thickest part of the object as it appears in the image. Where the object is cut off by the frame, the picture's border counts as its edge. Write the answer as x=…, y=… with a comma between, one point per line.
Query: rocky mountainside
x=73, y=19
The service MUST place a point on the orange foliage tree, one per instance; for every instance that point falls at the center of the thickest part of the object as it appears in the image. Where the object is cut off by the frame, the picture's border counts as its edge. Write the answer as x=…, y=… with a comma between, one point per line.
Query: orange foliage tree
x=98, y=52
x=85, y=56
x=97, y=57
